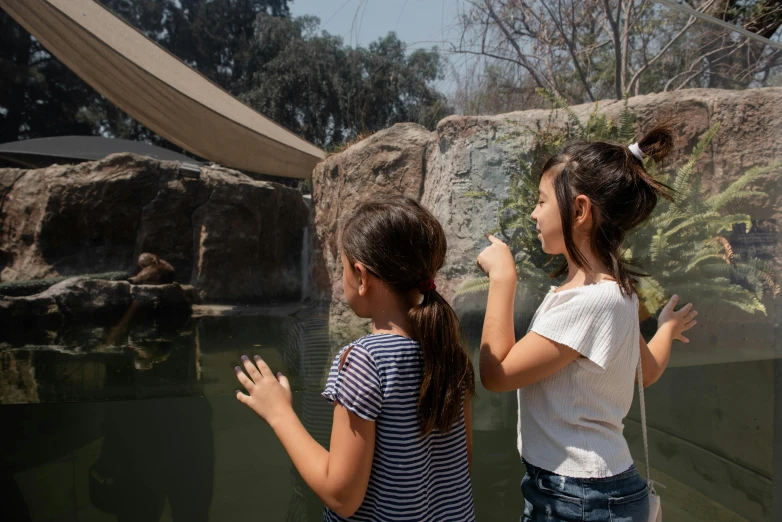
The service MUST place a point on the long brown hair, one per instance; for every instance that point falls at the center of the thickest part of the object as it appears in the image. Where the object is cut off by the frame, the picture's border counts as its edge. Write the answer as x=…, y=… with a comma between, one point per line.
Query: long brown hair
x=403, y=244
x=622, y=193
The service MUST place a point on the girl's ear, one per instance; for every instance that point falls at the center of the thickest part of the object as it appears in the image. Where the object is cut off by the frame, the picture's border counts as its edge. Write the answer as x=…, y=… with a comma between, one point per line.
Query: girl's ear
x=582, y=211
x=363, y=278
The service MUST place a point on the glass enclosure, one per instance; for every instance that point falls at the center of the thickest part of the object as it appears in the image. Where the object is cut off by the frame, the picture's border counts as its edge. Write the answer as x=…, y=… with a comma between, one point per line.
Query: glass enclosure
x=125, y=409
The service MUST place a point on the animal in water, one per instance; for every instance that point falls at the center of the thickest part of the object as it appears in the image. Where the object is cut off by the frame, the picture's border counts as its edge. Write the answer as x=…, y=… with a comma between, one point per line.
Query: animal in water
x=154, y=271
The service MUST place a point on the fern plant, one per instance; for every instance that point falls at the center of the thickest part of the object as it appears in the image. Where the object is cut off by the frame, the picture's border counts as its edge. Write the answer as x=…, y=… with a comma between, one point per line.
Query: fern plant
x=683, y=245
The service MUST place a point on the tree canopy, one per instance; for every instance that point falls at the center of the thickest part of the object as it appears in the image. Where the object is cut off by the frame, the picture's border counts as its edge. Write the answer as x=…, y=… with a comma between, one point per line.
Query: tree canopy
x=286, y=68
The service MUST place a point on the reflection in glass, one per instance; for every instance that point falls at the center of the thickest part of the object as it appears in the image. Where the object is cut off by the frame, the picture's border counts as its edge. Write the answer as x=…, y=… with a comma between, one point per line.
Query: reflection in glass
x=129, y=414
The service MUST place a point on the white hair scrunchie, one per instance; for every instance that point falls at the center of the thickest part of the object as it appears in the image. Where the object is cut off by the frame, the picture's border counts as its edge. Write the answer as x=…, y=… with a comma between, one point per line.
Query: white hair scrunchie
x=637, y=152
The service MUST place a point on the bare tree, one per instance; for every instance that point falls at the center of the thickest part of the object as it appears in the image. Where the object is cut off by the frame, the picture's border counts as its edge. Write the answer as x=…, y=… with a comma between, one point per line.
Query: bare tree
x=731, y=62
x=585, y=50
x=495, y=87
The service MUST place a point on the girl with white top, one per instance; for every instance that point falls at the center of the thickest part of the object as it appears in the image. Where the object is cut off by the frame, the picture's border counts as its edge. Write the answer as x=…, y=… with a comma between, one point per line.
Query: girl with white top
x=575, y=368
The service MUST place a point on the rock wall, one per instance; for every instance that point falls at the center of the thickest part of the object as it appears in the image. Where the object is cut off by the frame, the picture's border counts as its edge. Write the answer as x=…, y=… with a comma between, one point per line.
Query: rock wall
x=232, y=237
x=467, y=153
x=391, y=161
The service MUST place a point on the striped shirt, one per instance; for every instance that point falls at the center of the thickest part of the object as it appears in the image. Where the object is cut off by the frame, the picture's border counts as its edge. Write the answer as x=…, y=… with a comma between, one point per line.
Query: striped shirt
x=413, y=478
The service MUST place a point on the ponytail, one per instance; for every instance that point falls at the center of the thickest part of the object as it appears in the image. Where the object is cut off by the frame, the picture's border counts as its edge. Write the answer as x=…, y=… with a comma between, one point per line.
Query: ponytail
x=448, y=372
x=658, y=142
x=655, y=144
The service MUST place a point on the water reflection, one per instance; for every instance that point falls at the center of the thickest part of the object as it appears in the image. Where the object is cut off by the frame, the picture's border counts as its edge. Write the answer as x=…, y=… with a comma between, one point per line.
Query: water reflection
x=135, y=420
x=153, y=452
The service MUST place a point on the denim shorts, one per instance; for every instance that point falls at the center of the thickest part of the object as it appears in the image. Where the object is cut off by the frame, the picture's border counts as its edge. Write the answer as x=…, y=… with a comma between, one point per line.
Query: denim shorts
x=551, y=497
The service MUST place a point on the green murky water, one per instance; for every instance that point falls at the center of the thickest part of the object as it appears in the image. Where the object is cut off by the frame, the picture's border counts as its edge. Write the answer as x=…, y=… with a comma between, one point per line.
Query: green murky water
x=150, y=405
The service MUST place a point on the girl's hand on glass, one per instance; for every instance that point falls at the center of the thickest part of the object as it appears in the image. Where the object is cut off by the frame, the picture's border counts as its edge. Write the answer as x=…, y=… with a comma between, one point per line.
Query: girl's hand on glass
x=496, y=260
x=677, y=321
x=267, y=395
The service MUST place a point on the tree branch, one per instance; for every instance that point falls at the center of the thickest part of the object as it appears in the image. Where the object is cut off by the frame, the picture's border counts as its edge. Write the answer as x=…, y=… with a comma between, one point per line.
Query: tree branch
x=539, y=81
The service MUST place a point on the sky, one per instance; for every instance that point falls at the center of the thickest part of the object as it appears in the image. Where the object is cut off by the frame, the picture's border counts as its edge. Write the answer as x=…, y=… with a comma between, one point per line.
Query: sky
x=418, y=23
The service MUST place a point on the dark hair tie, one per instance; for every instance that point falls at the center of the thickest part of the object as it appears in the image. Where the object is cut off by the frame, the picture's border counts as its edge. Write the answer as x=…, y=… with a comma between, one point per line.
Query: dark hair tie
x=427, y=285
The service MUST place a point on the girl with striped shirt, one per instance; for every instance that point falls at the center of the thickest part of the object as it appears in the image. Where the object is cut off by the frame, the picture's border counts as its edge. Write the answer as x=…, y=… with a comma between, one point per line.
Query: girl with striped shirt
x=401, y=437
x=575, y=368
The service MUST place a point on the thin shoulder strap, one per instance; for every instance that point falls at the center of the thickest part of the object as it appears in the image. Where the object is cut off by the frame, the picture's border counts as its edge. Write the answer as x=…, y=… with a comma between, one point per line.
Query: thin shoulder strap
x=643, y=421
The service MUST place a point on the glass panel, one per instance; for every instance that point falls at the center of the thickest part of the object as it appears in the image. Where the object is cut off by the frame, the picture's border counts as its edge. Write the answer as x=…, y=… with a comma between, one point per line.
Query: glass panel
x=117, y=399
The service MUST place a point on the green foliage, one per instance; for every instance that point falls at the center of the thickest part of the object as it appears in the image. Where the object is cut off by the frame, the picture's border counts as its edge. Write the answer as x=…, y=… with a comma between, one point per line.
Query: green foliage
x=37, y=92
x=684, y=244
x=286, y=68
x=626, y=131
x=329, y=93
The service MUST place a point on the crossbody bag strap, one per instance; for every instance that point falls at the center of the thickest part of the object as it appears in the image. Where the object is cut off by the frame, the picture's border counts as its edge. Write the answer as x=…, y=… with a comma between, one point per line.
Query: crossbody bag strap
x=643, y=421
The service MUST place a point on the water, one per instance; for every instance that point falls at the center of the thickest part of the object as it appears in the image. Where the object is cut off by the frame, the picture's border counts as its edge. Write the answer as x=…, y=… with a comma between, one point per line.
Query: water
x=149, y=403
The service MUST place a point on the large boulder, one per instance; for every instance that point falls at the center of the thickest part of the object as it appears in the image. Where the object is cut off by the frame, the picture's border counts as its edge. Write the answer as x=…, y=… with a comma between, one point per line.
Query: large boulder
x=77, y=297
x=234, y=237
x=90, y=299
x=468, y=153
x=390, y=161
x=481, y=153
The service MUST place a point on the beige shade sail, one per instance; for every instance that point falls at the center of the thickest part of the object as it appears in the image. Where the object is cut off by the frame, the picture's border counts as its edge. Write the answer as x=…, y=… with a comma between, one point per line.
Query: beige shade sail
x=160, y=91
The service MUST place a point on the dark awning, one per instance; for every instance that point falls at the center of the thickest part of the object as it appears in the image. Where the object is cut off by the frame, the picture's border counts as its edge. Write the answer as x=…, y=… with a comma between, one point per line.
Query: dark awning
x=41, y=152
x=160, y=91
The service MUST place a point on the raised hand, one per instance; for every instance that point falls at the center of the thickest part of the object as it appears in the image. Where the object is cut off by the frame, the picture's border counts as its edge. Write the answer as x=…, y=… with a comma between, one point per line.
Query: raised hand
x=496, y=260
x=268, y=396
x=677, y=321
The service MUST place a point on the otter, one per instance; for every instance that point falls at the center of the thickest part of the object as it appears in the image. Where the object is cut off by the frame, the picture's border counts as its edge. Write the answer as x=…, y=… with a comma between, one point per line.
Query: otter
x=154, y=271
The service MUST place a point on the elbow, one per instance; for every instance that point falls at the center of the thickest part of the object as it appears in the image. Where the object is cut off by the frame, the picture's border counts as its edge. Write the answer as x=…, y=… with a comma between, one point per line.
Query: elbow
x=494, y=376
x=651, y=379
x=492, y=387
x=489, y=380
x=346, y=507
x=495, y=382
x=345, y=510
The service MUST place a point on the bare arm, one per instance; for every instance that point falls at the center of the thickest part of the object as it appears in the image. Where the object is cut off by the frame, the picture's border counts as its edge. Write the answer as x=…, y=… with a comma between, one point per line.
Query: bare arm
x=531, y=359
x=498, y=337
x=339, y=477
x=671, y=325
x=506, y=364
x=654, y=363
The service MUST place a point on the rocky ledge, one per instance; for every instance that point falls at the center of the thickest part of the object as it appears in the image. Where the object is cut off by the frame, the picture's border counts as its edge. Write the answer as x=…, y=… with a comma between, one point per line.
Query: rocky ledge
x=80, y=298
